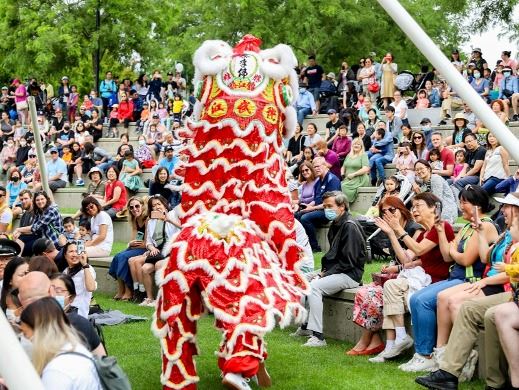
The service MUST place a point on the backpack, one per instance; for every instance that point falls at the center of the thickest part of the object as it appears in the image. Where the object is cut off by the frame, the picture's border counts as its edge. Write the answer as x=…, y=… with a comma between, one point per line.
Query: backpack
x=111, y=375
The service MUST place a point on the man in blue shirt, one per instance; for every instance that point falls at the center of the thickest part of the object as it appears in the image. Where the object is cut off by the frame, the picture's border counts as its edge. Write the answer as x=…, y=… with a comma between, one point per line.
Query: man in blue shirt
x=56, y=171
x=305, y=104
x=509, y=91
x=380, y=154
x=169, y=161
x=313, y=215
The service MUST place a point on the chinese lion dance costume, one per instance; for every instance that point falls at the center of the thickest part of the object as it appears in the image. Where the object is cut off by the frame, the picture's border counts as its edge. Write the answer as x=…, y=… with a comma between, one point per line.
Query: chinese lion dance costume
x=236, y=254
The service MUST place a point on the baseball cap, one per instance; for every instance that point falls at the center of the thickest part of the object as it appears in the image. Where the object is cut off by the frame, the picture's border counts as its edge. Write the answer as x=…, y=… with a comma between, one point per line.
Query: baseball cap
x=512, y=199
x=331, y=111
x=42, y=245
x=4, y=87
x=425, y=121
x=168, y=148
x=64, y=78
x=477, y=49
x=53, y=150
x=155, y=115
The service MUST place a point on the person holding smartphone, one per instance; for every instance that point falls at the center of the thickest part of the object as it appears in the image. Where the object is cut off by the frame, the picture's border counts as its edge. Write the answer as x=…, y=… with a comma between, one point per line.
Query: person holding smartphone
x=119, y=268
x=161, y=226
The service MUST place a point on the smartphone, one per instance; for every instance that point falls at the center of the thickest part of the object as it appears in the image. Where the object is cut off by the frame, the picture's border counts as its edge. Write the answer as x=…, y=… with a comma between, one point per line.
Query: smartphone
x=438, y=210
x=80, y=246
x=156, y=215
x=302, y=206
x=139, y=236
x=475, y=217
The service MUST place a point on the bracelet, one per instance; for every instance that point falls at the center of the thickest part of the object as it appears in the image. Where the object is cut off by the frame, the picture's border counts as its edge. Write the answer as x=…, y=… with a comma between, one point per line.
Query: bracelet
x=403, y=235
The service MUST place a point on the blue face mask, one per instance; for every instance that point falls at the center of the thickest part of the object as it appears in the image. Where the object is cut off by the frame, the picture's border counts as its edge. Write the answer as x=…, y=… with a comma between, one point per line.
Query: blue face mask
x=61, y=300
x=507, y=74
x=330, y=214
x=302, y=90
x=477, y=75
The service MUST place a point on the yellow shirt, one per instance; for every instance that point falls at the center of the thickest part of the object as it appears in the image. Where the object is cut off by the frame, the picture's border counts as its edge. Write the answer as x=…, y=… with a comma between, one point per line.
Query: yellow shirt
x=177, y=106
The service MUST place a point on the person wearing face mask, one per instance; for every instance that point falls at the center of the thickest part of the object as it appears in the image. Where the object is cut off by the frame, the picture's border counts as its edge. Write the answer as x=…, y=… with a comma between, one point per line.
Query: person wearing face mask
x=509, y=92
x=480, y=84
x=14, y=186
x=305, y=104
x=341, y=267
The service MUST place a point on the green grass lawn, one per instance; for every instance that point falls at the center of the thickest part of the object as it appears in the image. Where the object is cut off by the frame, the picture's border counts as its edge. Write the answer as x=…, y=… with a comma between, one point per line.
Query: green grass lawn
x=291, y=366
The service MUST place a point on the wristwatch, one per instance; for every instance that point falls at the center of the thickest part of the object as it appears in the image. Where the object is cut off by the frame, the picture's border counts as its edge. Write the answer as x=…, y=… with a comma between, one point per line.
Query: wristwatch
x=86, y=266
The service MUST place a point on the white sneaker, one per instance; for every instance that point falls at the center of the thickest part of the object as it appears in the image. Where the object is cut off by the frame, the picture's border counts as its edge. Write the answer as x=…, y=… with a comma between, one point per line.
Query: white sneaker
x=235, y=381
x=380, y=358
x=315, y=342
x=147, y=302
x=418, y=363
x=400, y=347
x=300, y=332
x=470, y=366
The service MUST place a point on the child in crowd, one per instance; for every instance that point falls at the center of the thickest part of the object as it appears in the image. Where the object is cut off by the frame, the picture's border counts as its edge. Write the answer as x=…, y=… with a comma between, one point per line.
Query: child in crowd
x=422, y=101
x=8, y=155
x=114, y=120
x=131, y=172
x=407, y=133
x=460, y=166
x=481, y=132
x=19, y=132
x=84, y=232
x=145, y=115
x=72, y=102
x=178, y=104
x=435, y=159
x=405, y=160
x=69, y=229
x=391, y=188
x=163, y=112
x=67, y=154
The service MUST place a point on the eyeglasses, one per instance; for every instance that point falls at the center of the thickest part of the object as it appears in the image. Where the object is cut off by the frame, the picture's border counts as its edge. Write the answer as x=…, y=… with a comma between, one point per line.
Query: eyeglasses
x=305, y=170
x=418, y=205
x=392, y=210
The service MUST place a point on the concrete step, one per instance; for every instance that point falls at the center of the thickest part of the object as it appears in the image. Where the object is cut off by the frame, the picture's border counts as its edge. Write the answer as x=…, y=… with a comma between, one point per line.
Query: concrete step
x=70, y=197
x=132, y=129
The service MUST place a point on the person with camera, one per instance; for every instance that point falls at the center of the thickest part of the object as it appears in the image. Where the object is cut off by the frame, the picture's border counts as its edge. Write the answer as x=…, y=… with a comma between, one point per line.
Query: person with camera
x=82, y=274
x=101, y=227
x=160, y=227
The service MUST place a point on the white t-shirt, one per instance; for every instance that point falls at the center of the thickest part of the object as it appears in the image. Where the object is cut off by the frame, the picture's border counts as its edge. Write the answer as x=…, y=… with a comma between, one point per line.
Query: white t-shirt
x=311, y=140
x=6, y=216
x=95, y=223
x=83, y=296
x=71, y=372
x=402, y=105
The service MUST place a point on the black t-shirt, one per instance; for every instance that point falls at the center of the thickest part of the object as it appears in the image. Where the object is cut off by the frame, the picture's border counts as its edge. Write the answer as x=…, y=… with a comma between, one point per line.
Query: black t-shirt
x=84, y=328
x=58, y=124
x=333, y=127
x=26, y=219
x=60, y=261
x=159, y=189
x=314, y=74
x=295, y=146
x=65, y=135
x=478, y=154
x=22, y=154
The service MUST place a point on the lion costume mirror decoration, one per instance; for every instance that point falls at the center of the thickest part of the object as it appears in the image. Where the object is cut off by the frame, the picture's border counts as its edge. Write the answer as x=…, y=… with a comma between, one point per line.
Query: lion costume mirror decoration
x=236, y=254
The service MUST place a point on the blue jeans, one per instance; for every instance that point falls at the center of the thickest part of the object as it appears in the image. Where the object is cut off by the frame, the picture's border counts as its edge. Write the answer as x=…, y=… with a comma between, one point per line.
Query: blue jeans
x=104, y=166
x=301, y=113
x=490, y=184
x=309, y=221
x=376, y=164
x=423, y=315
x=119, y=267
x=461, y=183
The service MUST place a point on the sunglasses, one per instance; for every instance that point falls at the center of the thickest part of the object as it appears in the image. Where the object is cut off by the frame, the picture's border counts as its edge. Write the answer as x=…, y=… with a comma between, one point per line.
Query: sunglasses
x=418, y=137
x=305, y=170
x=392, y=210
x=135, y=206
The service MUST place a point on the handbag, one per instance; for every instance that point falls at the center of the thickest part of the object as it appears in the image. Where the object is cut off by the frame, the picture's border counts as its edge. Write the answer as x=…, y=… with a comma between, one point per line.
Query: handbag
x=111, y=375
x=379, y=278
x=373, y=87
x=22, y=105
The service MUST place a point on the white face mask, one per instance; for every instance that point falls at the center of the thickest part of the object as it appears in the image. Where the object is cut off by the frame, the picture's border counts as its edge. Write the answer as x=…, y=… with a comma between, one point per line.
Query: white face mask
x=142, y=142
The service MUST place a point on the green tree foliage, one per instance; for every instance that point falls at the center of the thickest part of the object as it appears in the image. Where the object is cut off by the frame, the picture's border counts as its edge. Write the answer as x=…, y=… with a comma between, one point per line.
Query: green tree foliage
x=50, y=38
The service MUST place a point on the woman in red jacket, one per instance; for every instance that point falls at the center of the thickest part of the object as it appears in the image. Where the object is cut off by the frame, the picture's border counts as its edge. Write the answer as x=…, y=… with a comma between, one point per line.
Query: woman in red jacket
x=125, y=113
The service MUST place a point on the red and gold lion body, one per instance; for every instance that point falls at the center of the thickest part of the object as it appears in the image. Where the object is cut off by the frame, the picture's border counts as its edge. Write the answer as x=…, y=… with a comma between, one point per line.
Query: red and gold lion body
x=236, y=253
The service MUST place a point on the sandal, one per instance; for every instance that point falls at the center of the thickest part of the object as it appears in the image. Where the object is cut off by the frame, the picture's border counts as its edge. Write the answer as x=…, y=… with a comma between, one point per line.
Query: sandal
x=117, y=298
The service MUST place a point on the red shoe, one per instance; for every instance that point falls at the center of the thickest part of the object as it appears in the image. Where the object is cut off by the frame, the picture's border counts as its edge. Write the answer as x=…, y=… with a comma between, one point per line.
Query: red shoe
x=373, y=351
x=353, y=352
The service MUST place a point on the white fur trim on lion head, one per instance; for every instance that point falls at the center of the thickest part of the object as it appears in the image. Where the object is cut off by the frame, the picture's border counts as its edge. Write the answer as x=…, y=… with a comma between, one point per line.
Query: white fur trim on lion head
x=211, y=58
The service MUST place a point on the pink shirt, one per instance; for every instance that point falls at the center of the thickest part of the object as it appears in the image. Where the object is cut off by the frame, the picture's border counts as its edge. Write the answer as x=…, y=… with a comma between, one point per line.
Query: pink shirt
x=20, y=90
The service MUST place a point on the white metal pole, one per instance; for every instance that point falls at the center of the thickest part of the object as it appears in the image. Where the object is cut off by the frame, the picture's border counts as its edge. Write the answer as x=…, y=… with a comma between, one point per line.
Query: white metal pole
x=39, y=145
x=15, y=367
x=435, y=56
